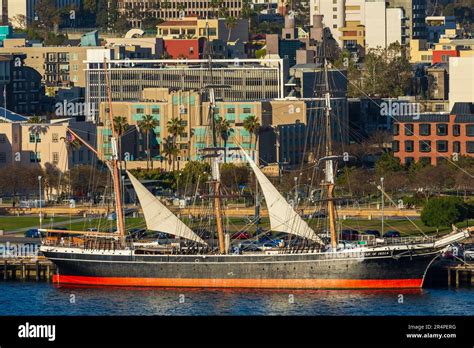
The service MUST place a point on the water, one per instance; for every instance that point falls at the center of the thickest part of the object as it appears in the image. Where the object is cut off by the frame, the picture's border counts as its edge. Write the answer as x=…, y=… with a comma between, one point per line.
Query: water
x=29, y=298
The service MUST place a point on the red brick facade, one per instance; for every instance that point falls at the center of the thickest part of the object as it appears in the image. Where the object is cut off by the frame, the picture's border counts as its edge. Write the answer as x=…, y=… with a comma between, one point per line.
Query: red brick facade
x=433, y=137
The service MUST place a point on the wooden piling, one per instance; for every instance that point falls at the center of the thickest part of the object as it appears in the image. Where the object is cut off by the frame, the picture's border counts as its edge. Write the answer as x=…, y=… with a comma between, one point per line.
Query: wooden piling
x=37, y=271
x=457, y=278
x=449, y=276
x=5, y=270
x=23, y=270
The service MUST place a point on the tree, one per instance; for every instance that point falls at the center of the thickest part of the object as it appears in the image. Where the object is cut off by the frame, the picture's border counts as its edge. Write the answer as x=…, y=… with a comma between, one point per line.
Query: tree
x=49, y=17
x=230, y=23
x=223, y=130
x=147, y=124
x=52, y=180
x=252, y=126
x=233, y=176
x=85, y=179
x=387, y=163
x=120, y=126
x=169, y=151
x=175, y=128
x=37, y=130
x=445, y=211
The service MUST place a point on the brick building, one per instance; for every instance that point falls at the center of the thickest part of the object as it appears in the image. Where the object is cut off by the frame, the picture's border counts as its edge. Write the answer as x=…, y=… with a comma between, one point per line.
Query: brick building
x=435, y=137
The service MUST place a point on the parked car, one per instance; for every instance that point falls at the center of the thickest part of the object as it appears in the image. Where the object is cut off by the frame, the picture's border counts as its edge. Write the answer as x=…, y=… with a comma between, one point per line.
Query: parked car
x=161, y=235
x=374, y=233
x=349, y=234
x=240, y=235
x=33, y=233
x=249, y=246
x=391, y=234
x=469, y=255
x=137, y=233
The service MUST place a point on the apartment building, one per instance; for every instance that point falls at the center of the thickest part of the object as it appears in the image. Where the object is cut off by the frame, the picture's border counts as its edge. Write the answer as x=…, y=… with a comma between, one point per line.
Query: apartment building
x=60, y=66
x=434, y=137
x=38, y=144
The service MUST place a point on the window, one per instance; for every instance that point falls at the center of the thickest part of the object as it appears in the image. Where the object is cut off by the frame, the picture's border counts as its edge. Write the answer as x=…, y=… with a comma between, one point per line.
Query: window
x=456, y=130
x=457, y=147
x=35, y=157
x=231, y=110
x=470, y=130
x=140, y=110
x=155, y=111
x=3, y=157
x=409, y=160
x=425, y=146
x=395, y=146
x=55, y=137
x=396, y=129
x=3, y=138
x=442, y=129
x=425, y=129
x=246, y=110
x=55, y=157
x=409, y=129
x=470, y=146
x=442, y=146
x=409, y=147
x=35, y=138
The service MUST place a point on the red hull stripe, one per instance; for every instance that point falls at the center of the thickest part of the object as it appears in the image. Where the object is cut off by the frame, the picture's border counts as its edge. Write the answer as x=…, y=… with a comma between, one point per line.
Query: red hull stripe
x=245, y=283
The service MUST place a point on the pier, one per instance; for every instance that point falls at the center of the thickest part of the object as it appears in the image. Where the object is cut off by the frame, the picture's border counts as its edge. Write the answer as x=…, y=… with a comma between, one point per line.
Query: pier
x=461, y=275
x=40, y=269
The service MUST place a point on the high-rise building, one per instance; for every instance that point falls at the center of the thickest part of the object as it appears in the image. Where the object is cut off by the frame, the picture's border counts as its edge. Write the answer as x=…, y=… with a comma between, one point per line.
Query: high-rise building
x=381, y=22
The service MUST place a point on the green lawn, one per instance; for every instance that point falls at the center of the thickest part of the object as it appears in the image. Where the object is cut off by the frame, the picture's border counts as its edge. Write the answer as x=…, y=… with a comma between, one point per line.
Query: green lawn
x=11, y=223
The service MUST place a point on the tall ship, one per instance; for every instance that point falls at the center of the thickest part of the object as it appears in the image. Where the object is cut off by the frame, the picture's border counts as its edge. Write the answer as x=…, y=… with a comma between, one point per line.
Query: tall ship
x=311, y=258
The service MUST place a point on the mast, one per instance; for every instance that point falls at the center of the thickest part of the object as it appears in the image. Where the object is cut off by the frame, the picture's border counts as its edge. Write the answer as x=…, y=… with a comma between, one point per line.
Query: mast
x=216, y=178
x=329, y=168
x=114, y=163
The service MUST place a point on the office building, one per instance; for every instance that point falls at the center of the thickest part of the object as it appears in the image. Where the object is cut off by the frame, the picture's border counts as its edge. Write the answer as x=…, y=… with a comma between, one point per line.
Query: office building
x=237, y=79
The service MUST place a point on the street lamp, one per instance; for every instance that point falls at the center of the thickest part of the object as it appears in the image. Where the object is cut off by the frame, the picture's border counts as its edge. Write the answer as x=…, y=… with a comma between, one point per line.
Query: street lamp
x=383, y=202
x=296, y=191
x=39, y=202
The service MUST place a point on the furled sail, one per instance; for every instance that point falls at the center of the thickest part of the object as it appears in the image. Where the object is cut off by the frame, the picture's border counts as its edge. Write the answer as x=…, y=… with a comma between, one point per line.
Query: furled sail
x=283, y=218
x=158, y=217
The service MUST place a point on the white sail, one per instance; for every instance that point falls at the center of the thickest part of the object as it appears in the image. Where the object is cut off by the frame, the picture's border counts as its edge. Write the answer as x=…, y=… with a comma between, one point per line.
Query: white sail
x=283, y=218
x=158, y=217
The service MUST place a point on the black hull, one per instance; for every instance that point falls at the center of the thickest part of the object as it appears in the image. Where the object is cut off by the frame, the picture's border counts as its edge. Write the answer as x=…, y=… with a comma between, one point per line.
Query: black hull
x=382, y=269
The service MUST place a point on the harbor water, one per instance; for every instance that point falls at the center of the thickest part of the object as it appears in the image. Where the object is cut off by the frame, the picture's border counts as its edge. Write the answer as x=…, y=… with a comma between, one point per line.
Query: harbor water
x=31, y=298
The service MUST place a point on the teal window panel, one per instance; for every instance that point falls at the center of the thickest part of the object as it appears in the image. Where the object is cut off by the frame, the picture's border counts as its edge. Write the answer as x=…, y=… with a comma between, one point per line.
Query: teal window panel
x=192, y=100
x=230, y=117
x=137, y=117
x=244, y=132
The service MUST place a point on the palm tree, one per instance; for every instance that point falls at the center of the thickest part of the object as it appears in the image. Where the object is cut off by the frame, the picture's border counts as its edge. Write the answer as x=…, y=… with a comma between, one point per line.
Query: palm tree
x=169, y=151
x=120, y=127
x=147, y=124
x=230, y=23
x=224, y=130
x=37, y=129
x=252, y=126
x=175, y=128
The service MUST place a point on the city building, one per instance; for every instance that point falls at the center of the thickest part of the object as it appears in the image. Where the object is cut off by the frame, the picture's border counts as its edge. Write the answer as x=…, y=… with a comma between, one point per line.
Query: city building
x=38, y=144
x=193, y=27
x=436, y=27
x=21, y=89
x=461, y=80
x=175, y=9
x=239, y=79
x=434, y=137
x=21, y=12
x=384, y=25
x=60, y=66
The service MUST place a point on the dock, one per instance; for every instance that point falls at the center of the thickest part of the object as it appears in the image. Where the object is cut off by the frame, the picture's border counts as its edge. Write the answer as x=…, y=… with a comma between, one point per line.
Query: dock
x=461, y=275
x=39, y=269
